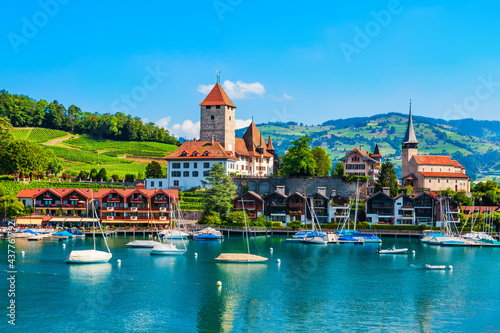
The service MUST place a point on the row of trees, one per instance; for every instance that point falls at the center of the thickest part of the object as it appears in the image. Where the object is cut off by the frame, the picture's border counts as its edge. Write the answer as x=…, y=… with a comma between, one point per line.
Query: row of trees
x=27, y=112
x=302, y=160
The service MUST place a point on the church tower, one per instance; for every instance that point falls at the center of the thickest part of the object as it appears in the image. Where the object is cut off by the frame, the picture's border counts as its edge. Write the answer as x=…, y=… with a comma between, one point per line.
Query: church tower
x=217, y=118
x=409, y=146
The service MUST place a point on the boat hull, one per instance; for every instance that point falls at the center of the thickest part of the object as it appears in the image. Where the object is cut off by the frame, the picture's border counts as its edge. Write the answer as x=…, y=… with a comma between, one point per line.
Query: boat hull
x=240, y=258
x=396, y=251
x=168, y=252
x=88, y=257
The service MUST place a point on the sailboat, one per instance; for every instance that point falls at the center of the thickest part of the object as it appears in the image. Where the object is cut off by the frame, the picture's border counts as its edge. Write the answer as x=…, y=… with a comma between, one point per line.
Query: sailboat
x=247, y=258
x=353, y=236
x=170, y=249
x=91, y=256
x=316, y=237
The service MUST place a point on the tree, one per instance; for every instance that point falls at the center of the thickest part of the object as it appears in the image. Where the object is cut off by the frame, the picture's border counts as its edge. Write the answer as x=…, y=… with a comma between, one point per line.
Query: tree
x=238, y=217
x=210, y=218
x=129, y=178
x=153, y=170
x=219, y=191
x=338, y=171
x=462, y=198
x=93, y=173
x=102, y=175
x=387, y=178
x=22, y=156
x=299, y=160
x=323, y=161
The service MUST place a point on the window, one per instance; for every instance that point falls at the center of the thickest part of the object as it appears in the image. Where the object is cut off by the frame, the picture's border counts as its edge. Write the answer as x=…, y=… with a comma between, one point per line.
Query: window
x=206, y=153
x=195, y=173
x=160, y=184
x=185, y=174
x=196, y=154
x=152, y=184
x=195, y=165
x=229, y=117
x=176, y=183
x=205, y=173
x=212, y=117
x=184, y=153
x=186, y=165
x=176, y=173
x=176, y=165
x=206, y=165
x=217, y=106
x=208, y=107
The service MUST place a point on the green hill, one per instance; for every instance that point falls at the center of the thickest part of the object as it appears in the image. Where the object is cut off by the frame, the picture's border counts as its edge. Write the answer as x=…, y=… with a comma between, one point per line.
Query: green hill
x=480, y=155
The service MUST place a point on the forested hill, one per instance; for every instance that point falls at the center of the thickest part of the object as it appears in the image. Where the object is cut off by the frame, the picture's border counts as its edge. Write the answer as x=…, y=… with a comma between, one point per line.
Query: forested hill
x=473, y=143
x=23, y=111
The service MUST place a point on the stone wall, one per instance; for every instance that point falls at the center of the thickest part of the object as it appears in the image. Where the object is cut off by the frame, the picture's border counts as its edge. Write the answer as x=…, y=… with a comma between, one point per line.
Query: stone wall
x=307, y=185
x=191, y=215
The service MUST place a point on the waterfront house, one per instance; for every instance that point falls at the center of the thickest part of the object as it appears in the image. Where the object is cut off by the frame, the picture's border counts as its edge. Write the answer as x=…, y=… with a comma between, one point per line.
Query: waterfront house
x=320, y=204
x=251, y=202
x=338, y=208
x=359, y=162
x=295, y=207
x=380, y=208
x=275, y=206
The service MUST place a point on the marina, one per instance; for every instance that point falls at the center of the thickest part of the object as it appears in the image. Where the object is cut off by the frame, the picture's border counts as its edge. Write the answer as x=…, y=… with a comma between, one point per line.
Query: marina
x=279, y=294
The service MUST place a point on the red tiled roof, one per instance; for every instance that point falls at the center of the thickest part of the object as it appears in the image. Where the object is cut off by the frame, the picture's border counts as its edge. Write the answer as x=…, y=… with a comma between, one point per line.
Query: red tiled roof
x=217, y=96
x=434, y=160
x=270, y=144
x=215, y=151
x=253, y=140
x=26, y=193
x=444, y=174
x=457, y=164
x=362, y=152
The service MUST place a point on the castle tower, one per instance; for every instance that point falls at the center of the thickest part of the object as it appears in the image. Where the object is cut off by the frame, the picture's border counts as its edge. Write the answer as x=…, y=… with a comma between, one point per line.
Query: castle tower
x=409, y=146
x=217, y=118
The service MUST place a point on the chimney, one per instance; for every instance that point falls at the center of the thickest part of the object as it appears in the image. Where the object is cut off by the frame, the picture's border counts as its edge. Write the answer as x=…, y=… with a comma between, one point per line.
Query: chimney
x=322, y=191
x=386, y=190
x=213, y=141
x=334, y=193
x=280, y=189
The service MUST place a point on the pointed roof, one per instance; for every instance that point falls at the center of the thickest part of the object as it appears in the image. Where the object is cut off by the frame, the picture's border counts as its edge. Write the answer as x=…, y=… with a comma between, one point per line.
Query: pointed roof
x=376, y=153
x=253, y=140
x=270, y=144
x=410, y=136
x=217, y=96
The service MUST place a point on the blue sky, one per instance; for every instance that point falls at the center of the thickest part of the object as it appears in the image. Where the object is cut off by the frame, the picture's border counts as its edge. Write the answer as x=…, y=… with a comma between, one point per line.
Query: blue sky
x=280, y=60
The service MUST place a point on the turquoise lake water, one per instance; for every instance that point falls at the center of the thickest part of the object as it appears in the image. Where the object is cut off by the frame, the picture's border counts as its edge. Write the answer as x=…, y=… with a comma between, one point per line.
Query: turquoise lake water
x=315, y=287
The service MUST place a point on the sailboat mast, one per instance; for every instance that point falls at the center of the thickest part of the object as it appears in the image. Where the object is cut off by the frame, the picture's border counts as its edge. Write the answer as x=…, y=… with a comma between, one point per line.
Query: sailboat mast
x=245, y=219
x=357, y=199
x=93, y=219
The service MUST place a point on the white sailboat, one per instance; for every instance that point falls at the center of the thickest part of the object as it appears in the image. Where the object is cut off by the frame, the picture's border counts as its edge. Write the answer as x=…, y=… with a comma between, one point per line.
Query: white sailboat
x=317, y=237
x=245, y=258
x=91, y=256
x=170, y=249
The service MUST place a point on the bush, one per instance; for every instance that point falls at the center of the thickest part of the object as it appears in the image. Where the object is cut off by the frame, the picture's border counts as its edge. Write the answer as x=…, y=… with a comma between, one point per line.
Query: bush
x=277, y=224
x=93, y=173
x=210, y=218
x=129, y=177
x=237, y=217
x=102, y=175
x=83, y=174
x=398, y=227
x=295, y=225
x=363, y=225
x=115, y=177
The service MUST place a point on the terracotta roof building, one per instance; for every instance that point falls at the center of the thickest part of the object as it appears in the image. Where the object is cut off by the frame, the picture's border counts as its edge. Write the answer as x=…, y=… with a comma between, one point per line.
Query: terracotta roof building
x=251, y=155
x=359, y=162
x=428, y=172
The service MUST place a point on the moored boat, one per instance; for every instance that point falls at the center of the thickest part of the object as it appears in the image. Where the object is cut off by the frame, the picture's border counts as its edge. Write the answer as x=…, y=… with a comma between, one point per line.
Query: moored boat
x=392, y=250
x=167, y=249
x=142, y=244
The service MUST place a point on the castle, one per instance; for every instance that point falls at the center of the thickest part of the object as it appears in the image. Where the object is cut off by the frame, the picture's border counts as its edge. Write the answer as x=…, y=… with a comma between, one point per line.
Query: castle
x=251, y=155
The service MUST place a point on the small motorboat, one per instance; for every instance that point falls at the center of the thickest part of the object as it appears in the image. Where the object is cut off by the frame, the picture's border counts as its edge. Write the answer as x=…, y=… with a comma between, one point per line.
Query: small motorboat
x=392, y=250
x=435, y=267
x=208, y=234
x=315, y=240
x=167, y=250
x=142, y=244
x=173, y=234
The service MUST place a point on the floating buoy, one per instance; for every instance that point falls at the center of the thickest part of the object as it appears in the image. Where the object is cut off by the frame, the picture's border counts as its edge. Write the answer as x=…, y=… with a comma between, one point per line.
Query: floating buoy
x=219, y=284
x=450, y=267
x=271, y=249
x=196, y=254
x=22, y=252
x=413, y=252
x=119, y=261
x=278, y=261
x=64, y=245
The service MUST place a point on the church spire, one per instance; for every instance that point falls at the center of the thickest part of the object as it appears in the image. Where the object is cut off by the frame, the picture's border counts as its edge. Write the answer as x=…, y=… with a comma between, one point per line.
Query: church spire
x=410, y=137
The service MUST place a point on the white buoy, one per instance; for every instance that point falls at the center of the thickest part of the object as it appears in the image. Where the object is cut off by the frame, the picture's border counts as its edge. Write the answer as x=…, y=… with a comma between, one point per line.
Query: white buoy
x=22, y=252
x=196, y=254
x=450, y=267
x=64, y=245
x=219, y=284
x=278, y=261
x=119, y=261
x=271, y=249
x=413, y=252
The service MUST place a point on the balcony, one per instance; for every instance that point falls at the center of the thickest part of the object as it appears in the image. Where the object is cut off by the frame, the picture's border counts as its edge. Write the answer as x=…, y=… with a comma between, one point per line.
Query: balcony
x=133, y=209
x=160, y=200
x=295, y=204
x=163, y=218
x=110, y=209
x=133, y=218
x=163, y=209
x=110, y=218
x=294, y=213
x=112, y=200
x=136, y=199
x=73, y=197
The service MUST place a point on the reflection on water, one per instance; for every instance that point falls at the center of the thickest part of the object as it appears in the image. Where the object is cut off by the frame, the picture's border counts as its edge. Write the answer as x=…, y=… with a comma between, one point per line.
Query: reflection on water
x=335, y=287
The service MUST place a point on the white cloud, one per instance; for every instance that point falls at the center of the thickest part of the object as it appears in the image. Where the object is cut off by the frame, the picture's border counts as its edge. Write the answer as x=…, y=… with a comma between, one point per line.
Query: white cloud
x=240, y=123
x=145, y=120
x=281, y=98
x=187, y=129
x=163, y=122
x=236, y=90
